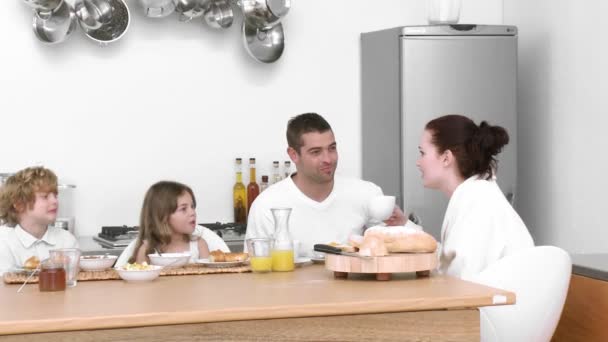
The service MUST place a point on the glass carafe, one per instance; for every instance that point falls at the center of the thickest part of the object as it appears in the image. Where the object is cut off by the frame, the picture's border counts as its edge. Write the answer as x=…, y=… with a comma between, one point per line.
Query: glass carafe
x=282, y=247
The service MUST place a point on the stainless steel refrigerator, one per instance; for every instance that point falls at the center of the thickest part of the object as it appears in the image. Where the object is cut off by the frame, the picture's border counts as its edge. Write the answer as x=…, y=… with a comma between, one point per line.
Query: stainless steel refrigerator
x=412, y=74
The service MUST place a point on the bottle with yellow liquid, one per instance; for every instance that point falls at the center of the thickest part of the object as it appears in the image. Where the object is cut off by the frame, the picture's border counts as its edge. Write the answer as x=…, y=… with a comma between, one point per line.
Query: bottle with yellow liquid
x=239, y=195
x=282, y=248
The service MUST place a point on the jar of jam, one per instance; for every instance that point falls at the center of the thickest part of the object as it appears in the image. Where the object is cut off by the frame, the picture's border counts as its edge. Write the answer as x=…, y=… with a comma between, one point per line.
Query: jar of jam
x=52, y=276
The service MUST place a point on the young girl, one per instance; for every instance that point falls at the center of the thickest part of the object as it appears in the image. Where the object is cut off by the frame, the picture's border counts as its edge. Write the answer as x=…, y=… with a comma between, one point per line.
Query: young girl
x=457, y=157
x=167, y=221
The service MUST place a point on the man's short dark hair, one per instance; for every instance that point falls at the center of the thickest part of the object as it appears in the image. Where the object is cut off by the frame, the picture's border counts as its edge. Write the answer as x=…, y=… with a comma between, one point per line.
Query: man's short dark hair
x=302, y=124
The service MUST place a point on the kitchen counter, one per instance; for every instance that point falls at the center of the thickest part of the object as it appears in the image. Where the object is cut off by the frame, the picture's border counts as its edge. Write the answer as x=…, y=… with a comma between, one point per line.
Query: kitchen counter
x=88, y=246
x=590, y=265
x=586, y=308
x=307, y=304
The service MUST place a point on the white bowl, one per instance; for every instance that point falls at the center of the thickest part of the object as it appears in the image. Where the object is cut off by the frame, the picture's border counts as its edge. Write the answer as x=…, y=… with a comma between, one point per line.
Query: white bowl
x=97, y=262
x=169, y=259
x=381, y=207
x=140, y=275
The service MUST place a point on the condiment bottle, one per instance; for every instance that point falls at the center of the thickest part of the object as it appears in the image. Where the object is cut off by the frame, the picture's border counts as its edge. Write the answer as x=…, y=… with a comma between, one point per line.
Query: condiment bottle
x=282, y=248
x=253, y=190
x=264, y=184
x=239, y=195
x=276, y=176
x=287, y=169
x=51, y=276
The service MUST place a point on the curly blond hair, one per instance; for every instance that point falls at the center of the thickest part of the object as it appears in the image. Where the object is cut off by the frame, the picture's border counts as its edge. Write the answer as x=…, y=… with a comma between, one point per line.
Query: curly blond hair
x=20, y=189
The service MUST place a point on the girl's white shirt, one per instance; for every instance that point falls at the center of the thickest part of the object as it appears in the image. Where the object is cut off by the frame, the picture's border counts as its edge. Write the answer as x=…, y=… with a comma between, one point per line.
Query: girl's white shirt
x=213, y=242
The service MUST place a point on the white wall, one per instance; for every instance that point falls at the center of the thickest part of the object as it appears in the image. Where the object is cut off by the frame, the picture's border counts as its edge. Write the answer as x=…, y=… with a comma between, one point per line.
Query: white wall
x=563, y=68
x=180, y=101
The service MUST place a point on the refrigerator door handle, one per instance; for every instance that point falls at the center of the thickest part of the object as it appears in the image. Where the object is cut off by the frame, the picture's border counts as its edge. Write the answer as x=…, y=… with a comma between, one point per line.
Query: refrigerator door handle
x=510, y=197
x=415, y=218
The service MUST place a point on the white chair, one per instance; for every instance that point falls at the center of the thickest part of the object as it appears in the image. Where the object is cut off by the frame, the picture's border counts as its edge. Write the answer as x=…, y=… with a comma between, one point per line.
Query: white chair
x=539, y=277
x=213, y=241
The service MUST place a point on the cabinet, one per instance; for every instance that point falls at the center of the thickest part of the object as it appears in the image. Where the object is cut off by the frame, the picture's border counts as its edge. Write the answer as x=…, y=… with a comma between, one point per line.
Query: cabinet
x=585, y=314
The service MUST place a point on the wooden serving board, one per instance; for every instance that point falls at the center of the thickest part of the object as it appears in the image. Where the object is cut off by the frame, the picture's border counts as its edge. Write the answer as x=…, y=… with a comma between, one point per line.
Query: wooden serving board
x=421, y=263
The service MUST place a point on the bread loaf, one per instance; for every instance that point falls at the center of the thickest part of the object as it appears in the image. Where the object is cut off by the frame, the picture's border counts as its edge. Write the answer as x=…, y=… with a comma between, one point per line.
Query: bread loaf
x=373, y=246
x=399, y=239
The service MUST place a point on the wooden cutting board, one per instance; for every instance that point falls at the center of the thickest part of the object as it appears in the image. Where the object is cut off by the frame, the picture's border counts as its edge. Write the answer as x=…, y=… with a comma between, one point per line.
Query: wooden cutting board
x=383, y=266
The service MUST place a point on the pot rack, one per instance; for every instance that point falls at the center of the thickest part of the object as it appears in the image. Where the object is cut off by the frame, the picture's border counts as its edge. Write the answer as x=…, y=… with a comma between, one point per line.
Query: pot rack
x=106, y=21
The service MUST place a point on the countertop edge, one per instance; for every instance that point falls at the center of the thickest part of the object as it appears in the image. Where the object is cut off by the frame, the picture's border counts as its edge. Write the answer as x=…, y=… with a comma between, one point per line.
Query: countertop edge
x=589, y=272
x=172, y=318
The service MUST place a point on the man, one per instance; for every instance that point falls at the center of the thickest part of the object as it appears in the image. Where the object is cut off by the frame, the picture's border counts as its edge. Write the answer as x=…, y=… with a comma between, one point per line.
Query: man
x=325, y=208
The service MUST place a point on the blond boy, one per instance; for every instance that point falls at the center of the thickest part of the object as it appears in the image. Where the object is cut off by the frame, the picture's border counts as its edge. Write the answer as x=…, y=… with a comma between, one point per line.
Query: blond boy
x=28, y=205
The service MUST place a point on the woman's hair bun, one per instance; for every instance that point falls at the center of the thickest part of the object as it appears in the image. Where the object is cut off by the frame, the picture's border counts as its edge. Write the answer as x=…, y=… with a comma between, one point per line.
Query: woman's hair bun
x=490, y=139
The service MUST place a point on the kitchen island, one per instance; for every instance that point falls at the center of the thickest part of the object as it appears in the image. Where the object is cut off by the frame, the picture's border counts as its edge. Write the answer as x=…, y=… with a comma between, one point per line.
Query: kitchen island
x=307, y=304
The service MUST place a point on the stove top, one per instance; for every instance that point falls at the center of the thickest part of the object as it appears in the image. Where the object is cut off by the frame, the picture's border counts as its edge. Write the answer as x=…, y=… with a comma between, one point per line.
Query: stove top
x=118, y=232
x=121, y=236
x=227, y=231
x=116, y=236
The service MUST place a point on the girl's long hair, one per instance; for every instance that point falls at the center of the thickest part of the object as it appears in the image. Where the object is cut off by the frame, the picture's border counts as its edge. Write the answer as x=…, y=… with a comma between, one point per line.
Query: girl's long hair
x=159, y=203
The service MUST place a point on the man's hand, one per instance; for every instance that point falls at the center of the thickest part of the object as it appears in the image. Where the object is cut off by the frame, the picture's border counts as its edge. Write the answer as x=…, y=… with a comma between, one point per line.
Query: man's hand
x=397, y=218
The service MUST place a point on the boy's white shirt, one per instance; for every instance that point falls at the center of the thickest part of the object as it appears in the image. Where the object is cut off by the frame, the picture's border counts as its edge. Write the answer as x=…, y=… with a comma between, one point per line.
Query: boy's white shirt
x=17, y=245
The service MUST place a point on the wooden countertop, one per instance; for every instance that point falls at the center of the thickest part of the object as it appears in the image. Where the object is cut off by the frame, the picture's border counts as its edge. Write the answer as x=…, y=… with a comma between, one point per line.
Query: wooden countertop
x=307, y=292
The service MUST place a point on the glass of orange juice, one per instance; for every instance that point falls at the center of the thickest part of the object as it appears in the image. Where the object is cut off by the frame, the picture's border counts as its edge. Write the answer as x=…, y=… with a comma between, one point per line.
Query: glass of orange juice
x=260, y=258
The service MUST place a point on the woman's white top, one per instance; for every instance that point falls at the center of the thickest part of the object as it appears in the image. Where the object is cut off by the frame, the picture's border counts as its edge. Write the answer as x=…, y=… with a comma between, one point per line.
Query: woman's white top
x=480, y=226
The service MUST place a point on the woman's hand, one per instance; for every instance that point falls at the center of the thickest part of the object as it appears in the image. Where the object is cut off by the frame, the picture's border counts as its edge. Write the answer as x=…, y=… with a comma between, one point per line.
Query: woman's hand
x=397, y=218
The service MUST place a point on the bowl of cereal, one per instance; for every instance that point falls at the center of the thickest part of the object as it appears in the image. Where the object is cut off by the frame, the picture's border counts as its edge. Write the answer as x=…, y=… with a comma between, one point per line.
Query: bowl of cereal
x=170, y=259
x=97, y=262
x=139, y=272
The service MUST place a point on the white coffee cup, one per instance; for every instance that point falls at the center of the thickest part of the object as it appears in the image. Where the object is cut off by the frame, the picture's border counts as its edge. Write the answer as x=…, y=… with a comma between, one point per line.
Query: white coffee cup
x=381, y=207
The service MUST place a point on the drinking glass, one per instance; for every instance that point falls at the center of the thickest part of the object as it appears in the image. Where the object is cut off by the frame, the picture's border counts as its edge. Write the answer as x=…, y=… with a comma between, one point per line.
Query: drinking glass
x=70, y=257
x=259, y=254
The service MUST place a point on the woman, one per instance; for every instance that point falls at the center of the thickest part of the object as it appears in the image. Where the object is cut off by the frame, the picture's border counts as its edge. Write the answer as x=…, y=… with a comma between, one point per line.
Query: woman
x=457, y=157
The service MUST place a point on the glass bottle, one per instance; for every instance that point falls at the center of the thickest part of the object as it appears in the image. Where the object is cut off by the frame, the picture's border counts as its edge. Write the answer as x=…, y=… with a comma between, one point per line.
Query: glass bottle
x=287, y=169
x=264, y=185
x=239, y=195
x=276, y=176
x=282, y=247
x=253, y=190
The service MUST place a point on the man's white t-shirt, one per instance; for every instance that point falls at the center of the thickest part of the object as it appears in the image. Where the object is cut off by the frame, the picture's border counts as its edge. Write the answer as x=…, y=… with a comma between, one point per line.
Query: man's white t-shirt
x=480, y=227
x=341, y=214
x=17, y=245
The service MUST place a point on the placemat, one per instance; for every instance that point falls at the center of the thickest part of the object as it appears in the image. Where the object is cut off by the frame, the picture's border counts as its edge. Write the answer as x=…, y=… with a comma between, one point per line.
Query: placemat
x=111, y=274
